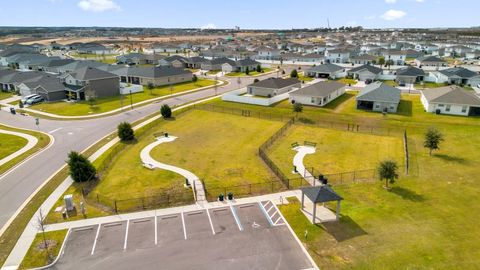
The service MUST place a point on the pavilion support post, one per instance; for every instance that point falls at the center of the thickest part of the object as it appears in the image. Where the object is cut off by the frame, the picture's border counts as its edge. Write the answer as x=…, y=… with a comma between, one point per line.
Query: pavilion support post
x=314, y=212
x=338, y=210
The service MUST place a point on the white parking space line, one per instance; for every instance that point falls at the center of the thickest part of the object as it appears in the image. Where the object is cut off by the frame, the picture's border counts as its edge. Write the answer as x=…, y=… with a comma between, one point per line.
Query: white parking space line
x=156, y=238
x=211, y=223
x=235, y=216
x=265, y=213
x=55, y=130
x=184, y=229
x=96, y=237
x=126, y=235
x=276, y=221
x=271, y=207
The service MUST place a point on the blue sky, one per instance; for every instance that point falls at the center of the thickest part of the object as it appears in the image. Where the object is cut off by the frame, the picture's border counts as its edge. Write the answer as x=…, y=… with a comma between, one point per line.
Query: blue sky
x=276, y=14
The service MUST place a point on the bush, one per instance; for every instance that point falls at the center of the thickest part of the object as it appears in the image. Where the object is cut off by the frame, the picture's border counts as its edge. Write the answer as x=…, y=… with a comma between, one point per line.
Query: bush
x=247, y=71
x=259, y=68
x=166, y=111
x=20, y=104
x=294, y=74
x=150, y=86
x=194, y=78
x=81, y=169
x=125, y=132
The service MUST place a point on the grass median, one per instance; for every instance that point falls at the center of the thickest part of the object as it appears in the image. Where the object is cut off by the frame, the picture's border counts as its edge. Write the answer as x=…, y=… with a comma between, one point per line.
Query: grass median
x=37, y=255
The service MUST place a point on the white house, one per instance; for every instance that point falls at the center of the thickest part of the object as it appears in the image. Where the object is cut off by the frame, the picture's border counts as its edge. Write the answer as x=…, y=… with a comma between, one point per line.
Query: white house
x=273, y=86
x=337, y=56
x=397, y=56
x=452, y=100
x=317, y=94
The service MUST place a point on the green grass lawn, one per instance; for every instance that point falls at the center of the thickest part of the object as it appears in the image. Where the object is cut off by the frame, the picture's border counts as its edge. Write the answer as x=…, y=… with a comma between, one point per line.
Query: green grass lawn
x=337, y=151
x=213, y=72
x=390, y=83
x=305, y=78
x=10, y=144
x=347, y=81
x=5, y=95
x=37, y=254
x=102, y=105
x=251, y=73
x=429, y=85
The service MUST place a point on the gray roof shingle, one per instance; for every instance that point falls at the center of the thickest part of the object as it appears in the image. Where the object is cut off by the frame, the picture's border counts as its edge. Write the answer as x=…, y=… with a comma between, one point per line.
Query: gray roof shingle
x=380, y=92
x=320, y=89
x=451, y=95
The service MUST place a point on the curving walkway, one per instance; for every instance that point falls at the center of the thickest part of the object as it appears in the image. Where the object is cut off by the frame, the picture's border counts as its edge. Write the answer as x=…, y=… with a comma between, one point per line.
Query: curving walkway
x=149, y=162
x=32, y=141
x=302, y=151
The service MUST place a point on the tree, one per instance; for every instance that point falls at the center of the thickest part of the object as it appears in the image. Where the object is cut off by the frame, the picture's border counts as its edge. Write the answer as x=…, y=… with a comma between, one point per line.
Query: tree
x=125, y=132
x=90, y=96
x=20, y=104
x=433, y=137
x=166, y=111
x=294, y=74
x=389, y=63
x=387, y=170
x=41, y=226
x=259, y=68
x=194, y=78
x=81, y=169
x=247, y=71
x=381, y=61
x=150, y=87
x=298, y=108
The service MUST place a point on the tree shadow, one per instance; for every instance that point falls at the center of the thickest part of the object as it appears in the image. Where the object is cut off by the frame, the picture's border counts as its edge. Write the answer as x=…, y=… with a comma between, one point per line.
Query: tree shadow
x=407, y=194
x=449, y=158
x=343, y=230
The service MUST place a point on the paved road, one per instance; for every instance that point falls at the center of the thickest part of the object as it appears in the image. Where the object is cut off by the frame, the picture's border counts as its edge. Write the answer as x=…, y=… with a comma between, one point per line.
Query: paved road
x=17, y=186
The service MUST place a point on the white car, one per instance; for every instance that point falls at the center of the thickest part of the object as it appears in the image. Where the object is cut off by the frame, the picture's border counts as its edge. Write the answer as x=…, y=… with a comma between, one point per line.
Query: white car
x=25, y=98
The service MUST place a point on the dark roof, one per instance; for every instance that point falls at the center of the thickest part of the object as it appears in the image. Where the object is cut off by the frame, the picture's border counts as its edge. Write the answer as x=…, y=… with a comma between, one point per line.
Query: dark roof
x=246, y=62
x=379, y=91
x=459, y=72
x=90, y=73
x=276, y=83
x=410, y=71
x=365, y=57
x=197, y=59
x=321, y=194
x=451, y=95
x=325, y=68
x=320, y=89
x=156, y=72
x=221, y=61
x=430, y=58
x=372, y=69
x=176, y=57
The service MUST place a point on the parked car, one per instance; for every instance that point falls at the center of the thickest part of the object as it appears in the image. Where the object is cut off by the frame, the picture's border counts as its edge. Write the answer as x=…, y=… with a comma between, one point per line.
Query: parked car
x=35, y=100
x=25, y=98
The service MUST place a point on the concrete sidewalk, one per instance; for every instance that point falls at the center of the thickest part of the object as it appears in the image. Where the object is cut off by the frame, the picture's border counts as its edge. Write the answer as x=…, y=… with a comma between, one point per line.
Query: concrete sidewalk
x=302, y=151
x=31, y=142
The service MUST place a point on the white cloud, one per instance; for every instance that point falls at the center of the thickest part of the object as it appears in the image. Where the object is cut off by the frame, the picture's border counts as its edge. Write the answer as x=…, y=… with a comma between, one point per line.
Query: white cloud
x=390, y=1
x=393, y=14
x=98, y=5
x=209, y=26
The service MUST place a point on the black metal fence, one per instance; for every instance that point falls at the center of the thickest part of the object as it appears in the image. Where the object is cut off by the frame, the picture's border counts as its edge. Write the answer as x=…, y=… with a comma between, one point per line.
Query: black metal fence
x=243, y=112
x=244, y=190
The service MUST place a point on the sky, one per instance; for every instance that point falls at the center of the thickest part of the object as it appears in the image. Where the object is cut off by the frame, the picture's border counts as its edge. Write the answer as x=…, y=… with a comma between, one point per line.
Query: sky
x=247, y=14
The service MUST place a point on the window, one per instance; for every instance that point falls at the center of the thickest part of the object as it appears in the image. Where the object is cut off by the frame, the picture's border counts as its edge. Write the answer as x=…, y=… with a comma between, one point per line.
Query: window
x=377, y=106
x=441, y=105
x=464, y=109
x=391, y=108
x=313, y=100
x=448, y=108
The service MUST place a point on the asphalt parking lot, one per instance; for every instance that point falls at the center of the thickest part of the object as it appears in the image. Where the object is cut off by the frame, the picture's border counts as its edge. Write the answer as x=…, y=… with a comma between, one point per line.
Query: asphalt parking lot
x=248, y=236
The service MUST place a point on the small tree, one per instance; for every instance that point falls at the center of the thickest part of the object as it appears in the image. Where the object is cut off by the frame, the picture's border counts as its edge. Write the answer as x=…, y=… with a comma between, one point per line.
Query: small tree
x=433, y=137
x=387, y=170
x=247, y=71
x=150, y=87
x=166, y=111
x=81, y=169
x=20, y=104
x=389, y=63
x=41, y=226
x=194, y=78
x=297, y=108
x=381, y=61
x=125, y=132
x=294, y=74
x=259, y=68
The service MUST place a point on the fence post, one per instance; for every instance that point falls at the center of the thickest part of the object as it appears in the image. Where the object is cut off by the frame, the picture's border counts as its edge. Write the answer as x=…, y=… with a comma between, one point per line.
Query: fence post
x=354, y=176
x=272, y=186
x=98, y=201
x=116, y=209
x=143, y=203
x=249, y=189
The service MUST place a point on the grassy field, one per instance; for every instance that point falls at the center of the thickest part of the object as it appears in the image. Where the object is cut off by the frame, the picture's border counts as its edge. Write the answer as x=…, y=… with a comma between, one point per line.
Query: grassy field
x=347, y=81
x=37, y=255
x=303, y=78
x=337, y=151
x=10, y=144
x=107, y=58
x=429, y=85
x=4, y=95
x=103, y=105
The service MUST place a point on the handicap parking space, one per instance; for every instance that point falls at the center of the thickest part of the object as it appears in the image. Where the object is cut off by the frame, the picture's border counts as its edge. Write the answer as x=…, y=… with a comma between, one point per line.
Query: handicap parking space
x=79, y=243
x=197, y=224
x=251, y=216
x=169, y=228
x=272, y=213
x=141, y=234
x=224, y=222
x=111, y=238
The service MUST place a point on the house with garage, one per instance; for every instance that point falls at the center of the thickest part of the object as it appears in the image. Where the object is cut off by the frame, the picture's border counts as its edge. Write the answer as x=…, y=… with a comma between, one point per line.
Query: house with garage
x=378, y=97
x=457, y=75
x=216, y=63
x=430, y=61
x=49, y=86
x=158, y=75
x=472, y=55
x=241, y=66
x=337, y=56
x=408, y=76
x=397, y=57
x=78, y=64
x=196, y=62
x=89, y=82
x=94, y=48
x=365, y=72
x=273, y=86
x=267, y=53
x=452, y=100
x=317, y=94
x=326, y=71
x=175, y=61
x=363, y=59
x=132, y=59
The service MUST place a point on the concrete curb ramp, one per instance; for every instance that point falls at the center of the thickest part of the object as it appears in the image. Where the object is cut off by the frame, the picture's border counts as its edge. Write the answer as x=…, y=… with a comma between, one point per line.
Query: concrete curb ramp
x=151, y=163
x=32, y=141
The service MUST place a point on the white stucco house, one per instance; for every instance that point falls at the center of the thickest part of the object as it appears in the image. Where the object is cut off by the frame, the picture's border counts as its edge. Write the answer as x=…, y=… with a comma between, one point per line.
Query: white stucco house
x=317, y=94
x=452, y=100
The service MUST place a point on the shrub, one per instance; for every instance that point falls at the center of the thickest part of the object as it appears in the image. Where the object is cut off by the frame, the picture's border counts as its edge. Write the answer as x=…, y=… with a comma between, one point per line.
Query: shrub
x=20, y=104
x=259, y=68
x=194, y=78
x=166, y=111
x=81, y=169
x=125, y=132
x=294, y=74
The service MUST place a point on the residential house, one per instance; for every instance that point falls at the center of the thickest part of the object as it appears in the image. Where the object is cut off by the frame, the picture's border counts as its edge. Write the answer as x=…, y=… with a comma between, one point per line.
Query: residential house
x=452, y=100
x=240, y=66
x=326, y=71
x=267, y=53
x=397, y=57
x=472, y=55
x=273, y=86
x=88, y=82
x=408, y=76
x=176, y=61
x=430, y=60
x=363, y=59
x=196, y=62
x=158, y=75
x=457, y=75
x=317, y=94
x=378, y=97
x=337, y=56
x=216, y=63
x=365, y=72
